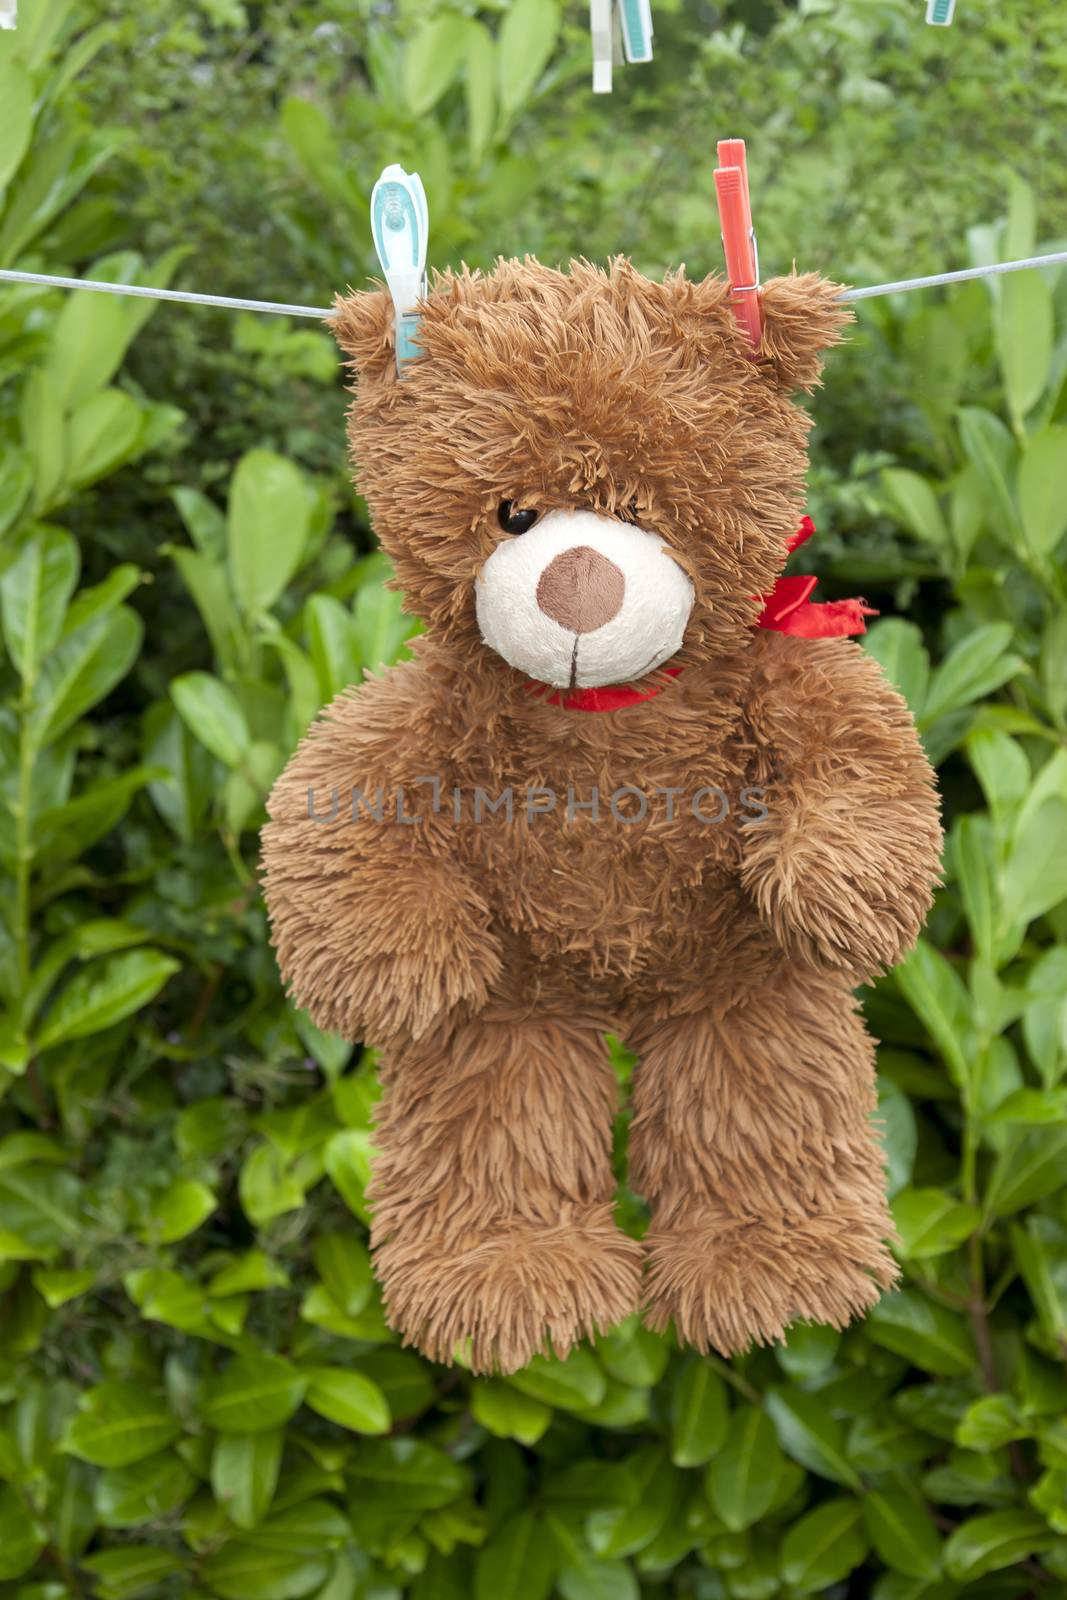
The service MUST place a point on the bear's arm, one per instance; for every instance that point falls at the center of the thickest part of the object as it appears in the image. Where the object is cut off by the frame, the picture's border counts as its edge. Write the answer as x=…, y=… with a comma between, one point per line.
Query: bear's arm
x=844, y=865
x=378, y=930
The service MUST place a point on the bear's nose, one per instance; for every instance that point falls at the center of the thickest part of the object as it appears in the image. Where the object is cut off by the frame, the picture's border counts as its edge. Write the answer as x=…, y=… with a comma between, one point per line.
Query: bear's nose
x=581, y=589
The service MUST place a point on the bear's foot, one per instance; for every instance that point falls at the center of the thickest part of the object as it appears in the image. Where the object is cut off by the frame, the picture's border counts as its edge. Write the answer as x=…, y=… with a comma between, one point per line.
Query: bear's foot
x=501, y=1298
x=728, y=1284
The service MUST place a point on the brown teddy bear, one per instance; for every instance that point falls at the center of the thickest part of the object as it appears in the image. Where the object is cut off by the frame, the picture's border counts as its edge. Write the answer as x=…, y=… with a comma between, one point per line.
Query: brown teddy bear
x=601, y=798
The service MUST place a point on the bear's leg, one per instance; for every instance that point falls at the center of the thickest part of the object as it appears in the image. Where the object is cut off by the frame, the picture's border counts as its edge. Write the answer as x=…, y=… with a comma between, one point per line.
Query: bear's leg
x=752, y=1140
x=492, y=1192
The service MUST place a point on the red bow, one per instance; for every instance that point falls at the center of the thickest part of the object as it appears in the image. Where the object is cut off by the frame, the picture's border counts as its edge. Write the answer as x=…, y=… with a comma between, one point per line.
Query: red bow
x=789, y=607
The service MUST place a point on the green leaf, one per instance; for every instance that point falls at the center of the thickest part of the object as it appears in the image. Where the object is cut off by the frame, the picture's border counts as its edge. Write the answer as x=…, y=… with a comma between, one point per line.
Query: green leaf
x=597, y=1580
x=207, y=583
x=121, y=1421
x=88, y=342
x=43, y=434
x=332, y=645
x=343, y=1264
x=348, y=1156
x=432, y=59
x=902, y=1533
x=480, y=81
x=165, y=1296
x=582, y=1576
x=991, y=448
x=975, y=854
x=145, y=1491
x=823, y=1547
x=525, y=42
x=349, y=1399
x=248, y=1274
x=21, y=1539
x=936, y=994
x=1002, y=769
x=700, y=1414
x=518, y=1561
x=379, y=625
x=572, y=1384
x=56, y=1288
x=650, y=1490
x=930, y=1222
x=917, y=505
x=404, y=1379
x=742, y=1480
x=41, y=1208
x=1045, y=1014
x=268, y=1188
x=996, y=1540
x=104, y=993
x=204, y=522
x=881, y=1441
x=179, y=1211
x=1025, y=333
x=305, y=699
x=255, y=1394
x=183, y=797
x=83, y=668
x=212, y=712
x=808, y=1352
x=925, y=1332
x=131, y=1571
x=507, y=1413
x=1029, y=1167
x=16, y=126
x=632, y=1355
x=242, y=1570
x=103, y=431
x=16, y=482
x=269, y=519
x=989, y=1423
x=810, y=1434
x=1042, y=503
x=34, y=594
x=65, y=832
x=1034, y=878
x=972, y=669
x=897, y=1134
x=244, y=1474
x=404, y=1474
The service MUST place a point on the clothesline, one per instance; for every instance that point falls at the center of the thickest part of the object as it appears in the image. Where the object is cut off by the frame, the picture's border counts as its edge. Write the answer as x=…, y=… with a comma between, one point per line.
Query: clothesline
x=280, y=308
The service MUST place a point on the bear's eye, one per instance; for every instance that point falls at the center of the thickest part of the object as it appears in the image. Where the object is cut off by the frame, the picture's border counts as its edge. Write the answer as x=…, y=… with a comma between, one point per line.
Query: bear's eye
x=513, y=520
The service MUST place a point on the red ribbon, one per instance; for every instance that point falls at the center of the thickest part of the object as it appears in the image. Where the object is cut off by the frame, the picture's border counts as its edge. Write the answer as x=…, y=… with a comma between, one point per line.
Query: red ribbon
x=788, y=608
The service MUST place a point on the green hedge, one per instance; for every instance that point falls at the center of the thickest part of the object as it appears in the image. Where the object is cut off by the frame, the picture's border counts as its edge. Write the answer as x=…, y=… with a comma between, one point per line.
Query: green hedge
x=198, y=1393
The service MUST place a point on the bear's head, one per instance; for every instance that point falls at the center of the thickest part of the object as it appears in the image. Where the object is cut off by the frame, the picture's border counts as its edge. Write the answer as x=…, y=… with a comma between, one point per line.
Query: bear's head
x=589, y=472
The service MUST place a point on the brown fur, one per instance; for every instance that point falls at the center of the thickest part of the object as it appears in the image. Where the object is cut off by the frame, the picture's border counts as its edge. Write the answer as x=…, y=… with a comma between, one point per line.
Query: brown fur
x=487, y=959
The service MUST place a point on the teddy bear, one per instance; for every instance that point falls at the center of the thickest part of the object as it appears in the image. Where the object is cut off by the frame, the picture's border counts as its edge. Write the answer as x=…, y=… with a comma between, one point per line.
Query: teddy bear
x=602, y=798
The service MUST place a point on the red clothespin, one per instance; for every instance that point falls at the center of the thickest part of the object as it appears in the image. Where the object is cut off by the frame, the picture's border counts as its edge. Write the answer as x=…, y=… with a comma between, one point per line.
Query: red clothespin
x=738, y=235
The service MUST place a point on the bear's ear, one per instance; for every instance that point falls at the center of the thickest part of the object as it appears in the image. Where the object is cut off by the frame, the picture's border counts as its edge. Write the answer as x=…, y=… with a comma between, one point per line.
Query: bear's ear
x=364, y=326
x=802, y=316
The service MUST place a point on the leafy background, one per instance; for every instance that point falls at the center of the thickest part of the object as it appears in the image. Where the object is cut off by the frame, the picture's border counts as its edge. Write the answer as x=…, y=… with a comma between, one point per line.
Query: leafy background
x=198, y=1393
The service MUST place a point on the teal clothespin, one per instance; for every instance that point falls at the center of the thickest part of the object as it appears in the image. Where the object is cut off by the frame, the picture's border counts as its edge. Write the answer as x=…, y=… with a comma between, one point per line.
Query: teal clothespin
x=939, y=12
x=621, y=30
x=400, y=224
x=635, y=22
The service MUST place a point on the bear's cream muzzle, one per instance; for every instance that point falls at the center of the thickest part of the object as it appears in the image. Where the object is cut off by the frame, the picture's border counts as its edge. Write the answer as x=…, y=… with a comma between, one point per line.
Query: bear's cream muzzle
x=582, y=600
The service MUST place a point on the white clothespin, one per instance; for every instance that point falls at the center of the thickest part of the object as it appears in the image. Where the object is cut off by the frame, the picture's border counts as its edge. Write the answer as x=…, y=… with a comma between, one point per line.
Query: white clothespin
x=399, y=220
x=621, y=29
x=9, y=13
x=939, y=12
